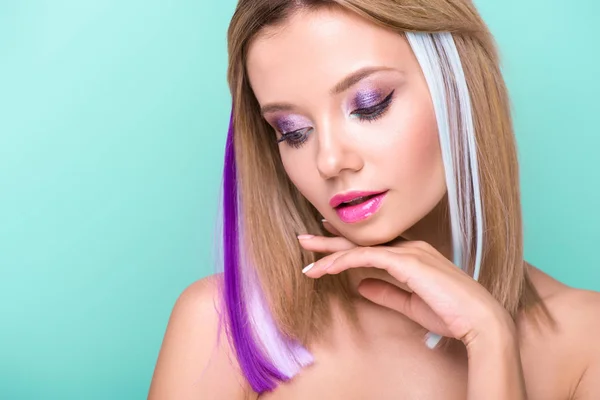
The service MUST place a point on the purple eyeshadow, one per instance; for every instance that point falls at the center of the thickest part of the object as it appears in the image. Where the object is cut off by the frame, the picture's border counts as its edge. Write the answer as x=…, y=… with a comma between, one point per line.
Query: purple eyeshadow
x=366, y=99
x=289, y=123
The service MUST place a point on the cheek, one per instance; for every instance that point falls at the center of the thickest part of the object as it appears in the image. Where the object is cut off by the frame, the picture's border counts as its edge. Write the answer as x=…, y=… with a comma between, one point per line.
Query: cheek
x=299, y=167
x=422, y=151
x=413, y=155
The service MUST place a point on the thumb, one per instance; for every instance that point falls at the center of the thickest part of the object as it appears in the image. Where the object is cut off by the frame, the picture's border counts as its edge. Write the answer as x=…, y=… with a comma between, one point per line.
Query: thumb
x=409, y=304
x=385, y=294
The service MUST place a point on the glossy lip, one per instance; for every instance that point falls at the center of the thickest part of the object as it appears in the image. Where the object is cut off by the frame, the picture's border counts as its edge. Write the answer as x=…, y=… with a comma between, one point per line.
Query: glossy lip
x=349, y=196
x=362, y=211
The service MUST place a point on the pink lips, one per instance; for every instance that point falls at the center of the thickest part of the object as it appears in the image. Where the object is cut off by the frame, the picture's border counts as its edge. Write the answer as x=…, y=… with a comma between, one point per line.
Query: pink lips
x=357, y=212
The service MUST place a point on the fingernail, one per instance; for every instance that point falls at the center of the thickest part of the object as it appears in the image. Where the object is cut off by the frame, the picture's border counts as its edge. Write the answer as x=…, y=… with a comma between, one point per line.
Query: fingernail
x=432, y=339
x=307, y=268
x=300, y=237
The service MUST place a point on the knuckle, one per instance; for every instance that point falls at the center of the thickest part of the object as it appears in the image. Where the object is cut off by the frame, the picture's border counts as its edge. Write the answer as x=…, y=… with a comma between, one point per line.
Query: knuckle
x=411, y=258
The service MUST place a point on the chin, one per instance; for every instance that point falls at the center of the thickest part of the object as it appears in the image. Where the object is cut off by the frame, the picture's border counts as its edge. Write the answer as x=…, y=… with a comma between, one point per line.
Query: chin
x=371, y=235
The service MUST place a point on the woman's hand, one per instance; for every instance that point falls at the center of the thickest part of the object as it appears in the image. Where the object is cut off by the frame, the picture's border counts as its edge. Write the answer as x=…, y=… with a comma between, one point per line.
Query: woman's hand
x=442, y=298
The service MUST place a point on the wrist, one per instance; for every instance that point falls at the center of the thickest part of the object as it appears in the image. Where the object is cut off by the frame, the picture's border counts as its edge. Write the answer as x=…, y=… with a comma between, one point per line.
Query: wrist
x=495, y=370
x=499, y=333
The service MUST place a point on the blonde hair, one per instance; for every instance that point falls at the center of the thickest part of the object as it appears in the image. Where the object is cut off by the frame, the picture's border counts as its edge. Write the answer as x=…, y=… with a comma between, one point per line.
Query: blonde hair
x=273, y=311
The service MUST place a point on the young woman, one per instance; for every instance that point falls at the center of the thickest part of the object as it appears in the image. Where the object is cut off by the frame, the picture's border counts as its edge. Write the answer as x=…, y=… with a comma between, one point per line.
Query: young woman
x=372, y=223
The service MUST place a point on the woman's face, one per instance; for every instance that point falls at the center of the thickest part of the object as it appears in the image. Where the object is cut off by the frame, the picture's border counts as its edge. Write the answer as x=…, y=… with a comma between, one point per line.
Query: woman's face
x=353, y=113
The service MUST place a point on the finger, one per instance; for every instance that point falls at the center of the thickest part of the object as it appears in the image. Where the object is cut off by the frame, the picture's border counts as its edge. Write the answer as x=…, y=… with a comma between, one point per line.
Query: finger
x=428, y=255
x=439, y=287
x=324, y=244
x=385, y=294
x=388, y=295
x=419, y=245
x=401, y=266
x=322, y=263
x=425, y=251
x=330, y=228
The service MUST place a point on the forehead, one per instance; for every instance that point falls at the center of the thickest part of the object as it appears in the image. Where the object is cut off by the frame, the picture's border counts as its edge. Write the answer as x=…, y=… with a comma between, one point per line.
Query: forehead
x=315, y=49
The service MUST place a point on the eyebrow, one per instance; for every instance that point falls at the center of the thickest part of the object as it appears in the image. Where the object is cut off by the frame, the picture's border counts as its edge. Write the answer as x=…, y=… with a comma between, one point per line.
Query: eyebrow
x=343, y=85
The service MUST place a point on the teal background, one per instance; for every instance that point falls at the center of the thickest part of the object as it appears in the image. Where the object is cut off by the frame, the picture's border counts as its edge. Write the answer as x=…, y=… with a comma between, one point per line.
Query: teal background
x=113, y=118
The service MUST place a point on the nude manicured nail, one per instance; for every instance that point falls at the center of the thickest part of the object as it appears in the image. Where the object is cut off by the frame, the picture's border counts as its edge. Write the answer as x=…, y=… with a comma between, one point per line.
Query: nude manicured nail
x=307, y=268
x=432, y=339
x=300, y=237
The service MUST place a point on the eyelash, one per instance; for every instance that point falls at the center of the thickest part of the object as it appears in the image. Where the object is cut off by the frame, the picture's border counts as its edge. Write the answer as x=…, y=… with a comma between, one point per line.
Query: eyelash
x=298, y=137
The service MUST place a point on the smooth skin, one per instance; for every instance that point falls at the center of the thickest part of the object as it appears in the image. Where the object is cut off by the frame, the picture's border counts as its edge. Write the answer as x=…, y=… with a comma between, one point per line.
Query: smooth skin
x=397, y=259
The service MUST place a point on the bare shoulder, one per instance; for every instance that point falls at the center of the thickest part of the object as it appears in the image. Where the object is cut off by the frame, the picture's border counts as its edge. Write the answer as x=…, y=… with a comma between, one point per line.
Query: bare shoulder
x=575, y=342
x=195, y=359
x=579, y=312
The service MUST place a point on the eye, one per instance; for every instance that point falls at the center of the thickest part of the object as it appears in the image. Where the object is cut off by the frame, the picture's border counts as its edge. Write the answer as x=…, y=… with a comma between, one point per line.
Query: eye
x=295, y=138
x=374, y=112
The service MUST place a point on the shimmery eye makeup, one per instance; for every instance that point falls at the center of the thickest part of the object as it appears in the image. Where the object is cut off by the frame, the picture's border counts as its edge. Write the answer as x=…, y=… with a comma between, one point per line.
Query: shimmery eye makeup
x=294, y=129
x=296, y=138
x=371, y=113
x=367, y=98
x=367, y=106
x=289, y=123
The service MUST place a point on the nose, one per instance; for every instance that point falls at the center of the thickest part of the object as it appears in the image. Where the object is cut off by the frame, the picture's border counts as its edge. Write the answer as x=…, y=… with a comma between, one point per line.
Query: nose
x=337, y=152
